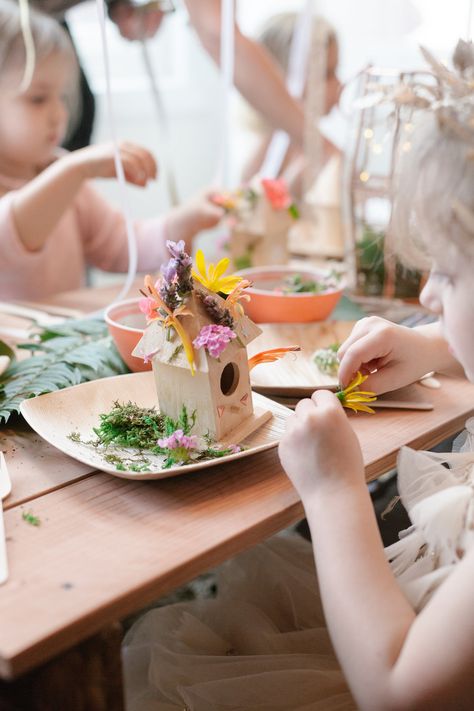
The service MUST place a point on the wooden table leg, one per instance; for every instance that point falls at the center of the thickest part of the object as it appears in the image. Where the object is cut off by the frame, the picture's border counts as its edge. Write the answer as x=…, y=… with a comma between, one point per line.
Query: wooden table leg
x=85, y=678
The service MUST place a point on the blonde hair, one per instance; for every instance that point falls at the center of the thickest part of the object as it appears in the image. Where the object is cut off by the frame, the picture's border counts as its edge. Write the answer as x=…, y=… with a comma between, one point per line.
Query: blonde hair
x=48, y=36
x=277, y=35
x=433, y=212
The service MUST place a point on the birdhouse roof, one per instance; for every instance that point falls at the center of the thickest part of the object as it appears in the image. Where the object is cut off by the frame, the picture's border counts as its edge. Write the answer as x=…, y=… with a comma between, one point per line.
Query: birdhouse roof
x=163, y=344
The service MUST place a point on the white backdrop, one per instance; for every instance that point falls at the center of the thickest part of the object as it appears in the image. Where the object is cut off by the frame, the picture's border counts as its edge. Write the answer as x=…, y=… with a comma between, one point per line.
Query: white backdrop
x=383, y=32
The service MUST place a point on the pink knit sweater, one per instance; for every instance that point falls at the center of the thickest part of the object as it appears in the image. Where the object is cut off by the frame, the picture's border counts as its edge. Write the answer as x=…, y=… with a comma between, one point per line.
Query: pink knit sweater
x=90, y=233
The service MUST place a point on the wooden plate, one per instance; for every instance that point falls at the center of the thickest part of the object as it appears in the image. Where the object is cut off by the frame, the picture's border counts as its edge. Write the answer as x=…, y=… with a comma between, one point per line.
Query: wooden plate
x=296, y=375
x=77, y=409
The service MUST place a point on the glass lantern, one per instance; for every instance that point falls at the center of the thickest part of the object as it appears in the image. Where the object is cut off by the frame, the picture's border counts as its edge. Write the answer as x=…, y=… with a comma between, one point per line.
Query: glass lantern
x=382, y=133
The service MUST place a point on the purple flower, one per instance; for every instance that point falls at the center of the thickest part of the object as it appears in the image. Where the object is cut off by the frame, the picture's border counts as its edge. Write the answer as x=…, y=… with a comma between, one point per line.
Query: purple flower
x=179, y=446
x=176, y=249
x=170, y=270
x=214, y=338
x=179, y=440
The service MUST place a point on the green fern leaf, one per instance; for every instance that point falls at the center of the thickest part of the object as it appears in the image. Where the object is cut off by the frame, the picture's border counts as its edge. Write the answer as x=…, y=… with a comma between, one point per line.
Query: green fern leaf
x=71, y=353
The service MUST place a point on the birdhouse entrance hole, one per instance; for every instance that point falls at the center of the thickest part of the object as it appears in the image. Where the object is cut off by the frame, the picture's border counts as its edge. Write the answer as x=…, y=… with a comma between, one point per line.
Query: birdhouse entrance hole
x=229, y=378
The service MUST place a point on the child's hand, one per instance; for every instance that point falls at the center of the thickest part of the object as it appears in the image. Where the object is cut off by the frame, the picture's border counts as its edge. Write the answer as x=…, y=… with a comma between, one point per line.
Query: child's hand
x=400, y=355
x=319, y=447
x=99, y=162
x=198, y=214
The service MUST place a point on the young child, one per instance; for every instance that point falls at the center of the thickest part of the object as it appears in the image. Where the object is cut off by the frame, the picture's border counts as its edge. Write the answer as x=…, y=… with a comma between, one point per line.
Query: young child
x=401, y=620
x=276, y=36
x=52, y=221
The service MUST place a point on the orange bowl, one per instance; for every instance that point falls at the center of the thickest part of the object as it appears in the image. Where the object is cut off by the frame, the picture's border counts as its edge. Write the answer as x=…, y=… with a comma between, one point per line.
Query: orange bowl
x=126, y=324
x=269, y=304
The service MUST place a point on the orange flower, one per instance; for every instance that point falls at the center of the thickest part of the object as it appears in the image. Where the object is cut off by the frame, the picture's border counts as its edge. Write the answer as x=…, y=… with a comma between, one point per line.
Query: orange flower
x=171, y=320
x=271, y=355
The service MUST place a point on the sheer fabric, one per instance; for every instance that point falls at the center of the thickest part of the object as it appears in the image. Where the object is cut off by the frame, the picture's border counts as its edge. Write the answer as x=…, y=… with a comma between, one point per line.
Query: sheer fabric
x=262, y=644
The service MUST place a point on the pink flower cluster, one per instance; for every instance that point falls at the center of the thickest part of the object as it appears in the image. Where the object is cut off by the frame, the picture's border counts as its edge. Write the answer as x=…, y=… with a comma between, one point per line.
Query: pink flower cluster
x=215, y=338
x=148, y=306
x=178, y=440
x=277, y=193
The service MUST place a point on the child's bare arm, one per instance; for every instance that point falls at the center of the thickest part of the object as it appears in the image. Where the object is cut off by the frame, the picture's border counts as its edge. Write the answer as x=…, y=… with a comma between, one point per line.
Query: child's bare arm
x=391, y=658
x=400, y=355
x=257, y=75
x=39, y=205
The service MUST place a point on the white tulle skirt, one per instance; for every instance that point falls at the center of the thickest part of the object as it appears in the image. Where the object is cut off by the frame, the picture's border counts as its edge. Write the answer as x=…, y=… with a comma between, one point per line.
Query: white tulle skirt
x=262, y=644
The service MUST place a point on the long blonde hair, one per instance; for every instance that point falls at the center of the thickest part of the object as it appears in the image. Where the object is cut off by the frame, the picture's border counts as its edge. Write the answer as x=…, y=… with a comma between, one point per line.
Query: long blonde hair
x=433, y=210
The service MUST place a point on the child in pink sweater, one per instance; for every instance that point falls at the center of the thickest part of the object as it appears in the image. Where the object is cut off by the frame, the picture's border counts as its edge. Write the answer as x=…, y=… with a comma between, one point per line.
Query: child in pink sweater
x=53, y=223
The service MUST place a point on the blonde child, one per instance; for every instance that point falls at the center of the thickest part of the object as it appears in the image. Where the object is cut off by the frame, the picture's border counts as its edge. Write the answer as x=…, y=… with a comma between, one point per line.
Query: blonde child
x=406, y=643
x=276, y=37
x=400, y=620
x=53, y=223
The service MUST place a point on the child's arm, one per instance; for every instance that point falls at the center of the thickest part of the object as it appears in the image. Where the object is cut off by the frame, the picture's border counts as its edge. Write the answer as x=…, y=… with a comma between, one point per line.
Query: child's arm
x=38, y=207
x=104, y=237
x=257, y=75
x=392, y=659
x=400, y=354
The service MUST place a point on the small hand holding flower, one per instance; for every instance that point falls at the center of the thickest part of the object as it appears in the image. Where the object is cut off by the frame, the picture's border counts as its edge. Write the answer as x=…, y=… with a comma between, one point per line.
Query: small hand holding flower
x=319, y=448
x=390, y=355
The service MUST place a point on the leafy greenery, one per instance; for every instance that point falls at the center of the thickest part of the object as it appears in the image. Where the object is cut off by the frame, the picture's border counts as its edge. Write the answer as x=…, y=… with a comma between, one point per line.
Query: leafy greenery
x=295, y=284
x=370, y=258
x=128, y=425
x=293, y=210
x=128, y=433
x=70, y=353
x=5, y=350
x=31, y=518
x=326, y=359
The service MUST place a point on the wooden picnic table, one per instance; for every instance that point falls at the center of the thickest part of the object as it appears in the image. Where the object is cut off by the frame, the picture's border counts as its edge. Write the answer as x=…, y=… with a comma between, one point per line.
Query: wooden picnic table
x=107, y=547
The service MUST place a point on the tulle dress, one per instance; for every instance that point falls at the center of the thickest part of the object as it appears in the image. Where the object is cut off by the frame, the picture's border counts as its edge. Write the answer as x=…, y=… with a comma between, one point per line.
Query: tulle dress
x=262, y=643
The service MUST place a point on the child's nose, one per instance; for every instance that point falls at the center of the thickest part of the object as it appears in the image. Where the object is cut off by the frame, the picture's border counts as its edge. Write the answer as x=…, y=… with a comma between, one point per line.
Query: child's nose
x=430, y=297
x=59, y=112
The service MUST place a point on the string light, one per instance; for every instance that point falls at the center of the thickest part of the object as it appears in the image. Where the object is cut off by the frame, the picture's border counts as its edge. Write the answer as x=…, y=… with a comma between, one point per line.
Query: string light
x=364, y=176
x=368, y=133
x=377, y=148
x=406, y=146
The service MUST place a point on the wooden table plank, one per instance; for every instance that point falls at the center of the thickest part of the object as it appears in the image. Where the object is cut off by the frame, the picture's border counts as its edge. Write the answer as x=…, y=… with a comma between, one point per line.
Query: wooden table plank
x=107, y=546
x=35, y=467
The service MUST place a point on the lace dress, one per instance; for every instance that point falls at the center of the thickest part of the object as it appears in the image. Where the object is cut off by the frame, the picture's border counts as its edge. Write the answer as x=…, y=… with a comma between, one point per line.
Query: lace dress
x=262, y=644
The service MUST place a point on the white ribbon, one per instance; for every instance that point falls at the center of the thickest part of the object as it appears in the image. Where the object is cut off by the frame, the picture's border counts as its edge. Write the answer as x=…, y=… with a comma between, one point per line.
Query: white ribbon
x=227, y=61
x=131, y=236
x=295, y=83
x=30, y=53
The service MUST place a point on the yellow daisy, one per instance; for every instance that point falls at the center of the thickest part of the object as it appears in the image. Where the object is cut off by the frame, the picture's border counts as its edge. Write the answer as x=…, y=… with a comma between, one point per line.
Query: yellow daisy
x=355, y=399
x=212, y=277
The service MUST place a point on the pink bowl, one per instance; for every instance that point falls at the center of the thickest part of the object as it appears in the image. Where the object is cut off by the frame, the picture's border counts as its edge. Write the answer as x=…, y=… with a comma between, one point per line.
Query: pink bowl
x=268, y=305
x=126, y=325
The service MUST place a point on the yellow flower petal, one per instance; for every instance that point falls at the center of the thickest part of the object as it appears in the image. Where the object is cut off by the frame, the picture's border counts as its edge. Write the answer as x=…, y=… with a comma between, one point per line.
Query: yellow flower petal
x=221, y=267
x=201, y=263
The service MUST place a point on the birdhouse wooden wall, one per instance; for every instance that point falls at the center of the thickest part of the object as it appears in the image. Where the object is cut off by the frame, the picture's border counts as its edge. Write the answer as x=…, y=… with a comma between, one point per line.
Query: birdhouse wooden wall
x=219, y=392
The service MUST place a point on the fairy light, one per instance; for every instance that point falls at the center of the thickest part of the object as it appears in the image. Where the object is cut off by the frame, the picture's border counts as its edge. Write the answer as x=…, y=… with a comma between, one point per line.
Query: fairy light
x=377, y=148
x=408, y=127
x=368, y=133
x=364, y=176
x=406, y=146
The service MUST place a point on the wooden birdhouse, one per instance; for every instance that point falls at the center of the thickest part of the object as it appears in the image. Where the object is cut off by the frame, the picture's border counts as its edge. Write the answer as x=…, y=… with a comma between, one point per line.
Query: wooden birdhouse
x=261, y=216
x=199, y=357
